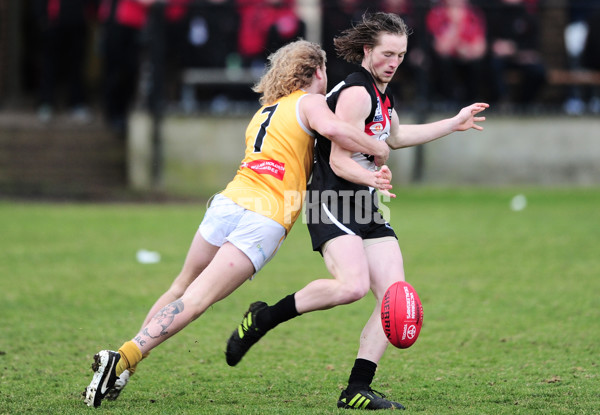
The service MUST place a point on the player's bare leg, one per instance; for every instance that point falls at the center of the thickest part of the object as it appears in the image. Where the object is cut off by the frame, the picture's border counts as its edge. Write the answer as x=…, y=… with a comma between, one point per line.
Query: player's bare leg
x=229, y=269
x=385, y=268
x=350, y=283
x=346, y=261
x=198, y=257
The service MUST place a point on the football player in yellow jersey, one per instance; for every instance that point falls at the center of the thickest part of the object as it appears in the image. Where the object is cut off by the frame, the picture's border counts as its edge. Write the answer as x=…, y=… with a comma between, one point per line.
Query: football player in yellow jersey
x=245, y=225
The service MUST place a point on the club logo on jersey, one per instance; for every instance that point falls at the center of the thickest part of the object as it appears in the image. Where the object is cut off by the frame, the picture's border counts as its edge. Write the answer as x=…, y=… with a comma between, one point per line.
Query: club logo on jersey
x=376, y=128
x=273, y=167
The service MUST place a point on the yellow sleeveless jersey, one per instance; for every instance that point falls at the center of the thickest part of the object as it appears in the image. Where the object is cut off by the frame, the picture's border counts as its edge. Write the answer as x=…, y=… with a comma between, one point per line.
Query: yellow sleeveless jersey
x=272, y=178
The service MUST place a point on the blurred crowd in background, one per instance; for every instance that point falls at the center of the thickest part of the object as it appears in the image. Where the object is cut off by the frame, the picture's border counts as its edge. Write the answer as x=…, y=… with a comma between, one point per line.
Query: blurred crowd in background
x=90, y=57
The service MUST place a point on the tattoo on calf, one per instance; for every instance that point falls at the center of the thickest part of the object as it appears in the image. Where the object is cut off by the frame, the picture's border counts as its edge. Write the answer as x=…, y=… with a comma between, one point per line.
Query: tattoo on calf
x=162, y=320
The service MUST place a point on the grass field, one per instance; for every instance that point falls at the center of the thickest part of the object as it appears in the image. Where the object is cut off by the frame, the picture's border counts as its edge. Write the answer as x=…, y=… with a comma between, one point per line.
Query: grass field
x=511, y=301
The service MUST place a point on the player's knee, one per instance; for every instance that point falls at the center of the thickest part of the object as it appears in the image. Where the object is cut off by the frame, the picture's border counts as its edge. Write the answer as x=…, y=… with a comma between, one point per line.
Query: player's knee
x=354, y=291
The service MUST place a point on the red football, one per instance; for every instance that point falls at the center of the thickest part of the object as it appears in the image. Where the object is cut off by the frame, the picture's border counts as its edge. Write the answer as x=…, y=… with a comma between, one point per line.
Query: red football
x=401, y=314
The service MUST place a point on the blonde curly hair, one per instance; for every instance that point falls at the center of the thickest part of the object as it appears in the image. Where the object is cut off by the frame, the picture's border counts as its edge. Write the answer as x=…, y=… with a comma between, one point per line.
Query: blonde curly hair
x=290, y=68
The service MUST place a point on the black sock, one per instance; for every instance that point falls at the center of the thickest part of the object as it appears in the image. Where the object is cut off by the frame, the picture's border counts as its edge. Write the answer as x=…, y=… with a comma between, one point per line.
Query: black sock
x=361, y=375
x=271, y=316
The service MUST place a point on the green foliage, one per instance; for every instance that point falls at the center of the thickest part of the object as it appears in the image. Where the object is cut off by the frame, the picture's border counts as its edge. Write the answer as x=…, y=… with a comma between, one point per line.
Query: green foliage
x=511, y=304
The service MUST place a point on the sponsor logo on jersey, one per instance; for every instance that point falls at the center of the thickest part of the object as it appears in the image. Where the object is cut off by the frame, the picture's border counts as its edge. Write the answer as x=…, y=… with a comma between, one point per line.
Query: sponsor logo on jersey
x=378, y=117
x=273, y=167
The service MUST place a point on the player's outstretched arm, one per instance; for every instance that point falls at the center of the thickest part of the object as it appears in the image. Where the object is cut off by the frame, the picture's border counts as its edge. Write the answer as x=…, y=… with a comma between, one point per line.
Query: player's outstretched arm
x=414, y=134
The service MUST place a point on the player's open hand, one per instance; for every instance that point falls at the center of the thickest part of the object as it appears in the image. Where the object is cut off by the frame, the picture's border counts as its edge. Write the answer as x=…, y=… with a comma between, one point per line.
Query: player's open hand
x=383, y=179
x=467, y=117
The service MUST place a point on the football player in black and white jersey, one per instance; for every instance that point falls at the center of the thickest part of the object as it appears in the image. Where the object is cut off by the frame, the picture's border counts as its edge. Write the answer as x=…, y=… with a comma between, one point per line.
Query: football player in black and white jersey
x=359, y=247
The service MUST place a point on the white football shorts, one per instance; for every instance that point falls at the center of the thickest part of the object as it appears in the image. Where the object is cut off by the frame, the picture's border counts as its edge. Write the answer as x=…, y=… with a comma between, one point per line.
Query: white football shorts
x=255, y=235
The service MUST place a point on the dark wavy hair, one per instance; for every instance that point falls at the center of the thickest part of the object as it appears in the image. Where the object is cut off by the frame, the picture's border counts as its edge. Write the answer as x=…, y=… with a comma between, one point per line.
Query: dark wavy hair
x=349, y=44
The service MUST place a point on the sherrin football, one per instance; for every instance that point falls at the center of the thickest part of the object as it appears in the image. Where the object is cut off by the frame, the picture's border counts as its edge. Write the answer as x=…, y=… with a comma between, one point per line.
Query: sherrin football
x=401, y=314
